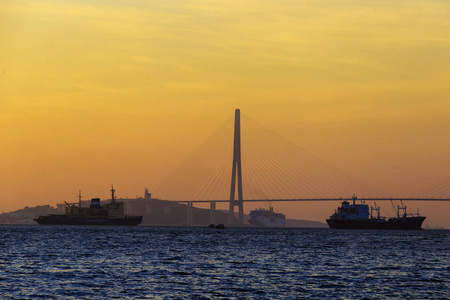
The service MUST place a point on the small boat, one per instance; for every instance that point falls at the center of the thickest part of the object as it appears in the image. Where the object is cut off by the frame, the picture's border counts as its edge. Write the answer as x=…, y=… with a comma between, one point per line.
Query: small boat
x=96, y=214
x=266, y=218
x=218, y=226
x=357, y=216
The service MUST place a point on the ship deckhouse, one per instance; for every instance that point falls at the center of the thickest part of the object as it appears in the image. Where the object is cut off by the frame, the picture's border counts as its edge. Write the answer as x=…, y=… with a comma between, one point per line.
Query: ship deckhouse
x=349, y=211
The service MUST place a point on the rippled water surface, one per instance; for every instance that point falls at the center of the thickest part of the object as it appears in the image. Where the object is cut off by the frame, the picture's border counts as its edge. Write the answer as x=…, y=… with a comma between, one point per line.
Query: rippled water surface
x=201, y=263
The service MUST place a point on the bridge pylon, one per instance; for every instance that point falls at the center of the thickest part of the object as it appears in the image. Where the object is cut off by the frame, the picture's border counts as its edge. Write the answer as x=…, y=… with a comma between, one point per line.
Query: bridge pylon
x=237, y=170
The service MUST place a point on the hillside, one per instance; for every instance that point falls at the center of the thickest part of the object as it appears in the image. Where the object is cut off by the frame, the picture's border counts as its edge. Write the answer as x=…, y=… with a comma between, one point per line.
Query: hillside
x=158, y=214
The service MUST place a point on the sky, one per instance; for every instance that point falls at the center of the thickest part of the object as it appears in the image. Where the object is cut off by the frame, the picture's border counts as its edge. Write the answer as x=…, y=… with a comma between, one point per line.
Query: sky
x=100, y=92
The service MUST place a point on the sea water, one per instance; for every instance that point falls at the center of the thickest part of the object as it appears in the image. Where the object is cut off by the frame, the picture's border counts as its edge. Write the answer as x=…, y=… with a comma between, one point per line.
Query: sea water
x=65, y=262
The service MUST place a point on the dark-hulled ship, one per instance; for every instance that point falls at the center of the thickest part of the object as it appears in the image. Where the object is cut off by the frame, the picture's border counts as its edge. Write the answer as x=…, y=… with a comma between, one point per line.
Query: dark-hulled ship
x=357, y=216
x=112, y=213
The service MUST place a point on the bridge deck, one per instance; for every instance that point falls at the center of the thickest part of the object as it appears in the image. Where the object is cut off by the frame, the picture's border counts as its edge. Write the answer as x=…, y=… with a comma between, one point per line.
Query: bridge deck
x=312, y=199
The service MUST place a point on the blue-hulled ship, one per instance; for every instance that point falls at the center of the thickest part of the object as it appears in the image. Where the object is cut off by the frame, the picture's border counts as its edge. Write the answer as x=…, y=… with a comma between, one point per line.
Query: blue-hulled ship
x=357, y=216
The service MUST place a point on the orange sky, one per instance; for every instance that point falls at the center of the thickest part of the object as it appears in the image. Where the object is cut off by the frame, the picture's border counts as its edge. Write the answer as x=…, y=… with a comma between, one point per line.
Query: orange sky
x=101, y=92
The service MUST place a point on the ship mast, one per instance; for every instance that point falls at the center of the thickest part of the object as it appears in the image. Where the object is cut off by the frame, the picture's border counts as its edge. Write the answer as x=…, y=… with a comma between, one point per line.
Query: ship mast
x=113, y=198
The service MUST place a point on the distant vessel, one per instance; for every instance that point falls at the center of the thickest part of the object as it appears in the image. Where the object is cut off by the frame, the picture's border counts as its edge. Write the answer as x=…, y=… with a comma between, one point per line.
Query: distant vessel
x=266, y=218
x=96, y=214
x=357, y=216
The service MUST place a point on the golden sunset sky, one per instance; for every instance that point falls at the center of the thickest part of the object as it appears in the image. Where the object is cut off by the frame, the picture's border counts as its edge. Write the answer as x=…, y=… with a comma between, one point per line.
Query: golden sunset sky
x=120, y=91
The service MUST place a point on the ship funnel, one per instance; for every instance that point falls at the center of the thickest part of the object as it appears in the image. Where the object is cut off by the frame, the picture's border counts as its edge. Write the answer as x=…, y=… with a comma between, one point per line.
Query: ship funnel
x=95, y=203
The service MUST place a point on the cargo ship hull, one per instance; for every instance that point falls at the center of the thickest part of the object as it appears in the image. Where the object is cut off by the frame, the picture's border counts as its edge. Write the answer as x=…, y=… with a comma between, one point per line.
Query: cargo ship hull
x=408, y=223
x=76, y=220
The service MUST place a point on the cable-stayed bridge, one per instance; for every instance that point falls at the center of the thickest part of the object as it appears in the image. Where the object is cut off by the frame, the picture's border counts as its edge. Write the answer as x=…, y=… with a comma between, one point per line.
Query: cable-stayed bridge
x=265, y=167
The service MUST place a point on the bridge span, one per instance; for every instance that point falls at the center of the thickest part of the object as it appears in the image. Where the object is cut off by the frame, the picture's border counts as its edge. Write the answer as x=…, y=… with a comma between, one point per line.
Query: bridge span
x=190, y=203
x=312, y=199
x=284, y=173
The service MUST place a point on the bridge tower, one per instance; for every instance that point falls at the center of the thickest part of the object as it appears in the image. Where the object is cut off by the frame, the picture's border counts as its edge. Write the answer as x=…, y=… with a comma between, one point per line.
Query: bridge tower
x=237, y=170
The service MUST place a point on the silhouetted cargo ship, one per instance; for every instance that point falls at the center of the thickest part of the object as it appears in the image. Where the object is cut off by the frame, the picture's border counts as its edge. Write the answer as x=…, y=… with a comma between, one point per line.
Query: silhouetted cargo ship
x=266, y=218
x=96, y=214
x=357, y=216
